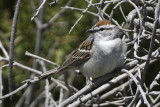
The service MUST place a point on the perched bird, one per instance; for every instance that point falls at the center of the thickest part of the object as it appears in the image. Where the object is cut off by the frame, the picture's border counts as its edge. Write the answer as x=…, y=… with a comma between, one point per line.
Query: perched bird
x=98, y=55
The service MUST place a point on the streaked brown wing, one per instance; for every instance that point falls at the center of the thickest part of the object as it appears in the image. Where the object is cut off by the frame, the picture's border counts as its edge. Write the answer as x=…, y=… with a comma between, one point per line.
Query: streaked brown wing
x=80, y=55
x=76, y=58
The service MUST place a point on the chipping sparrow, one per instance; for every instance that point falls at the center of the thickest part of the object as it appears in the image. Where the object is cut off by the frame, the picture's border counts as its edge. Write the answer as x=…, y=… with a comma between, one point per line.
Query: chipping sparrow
x=99, y=54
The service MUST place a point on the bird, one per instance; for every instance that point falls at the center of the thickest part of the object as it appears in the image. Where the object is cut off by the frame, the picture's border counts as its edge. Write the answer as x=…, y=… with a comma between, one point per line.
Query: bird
x=101, y=53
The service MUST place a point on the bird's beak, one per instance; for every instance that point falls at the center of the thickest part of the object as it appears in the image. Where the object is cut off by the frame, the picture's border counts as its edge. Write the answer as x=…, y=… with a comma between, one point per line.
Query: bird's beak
x=92, y=30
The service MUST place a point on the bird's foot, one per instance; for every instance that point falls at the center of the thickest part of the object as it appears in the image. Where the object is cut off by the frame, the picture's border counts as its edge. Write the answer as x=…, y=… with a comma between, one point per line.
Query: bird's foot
x=90, y=82
x=92, y=85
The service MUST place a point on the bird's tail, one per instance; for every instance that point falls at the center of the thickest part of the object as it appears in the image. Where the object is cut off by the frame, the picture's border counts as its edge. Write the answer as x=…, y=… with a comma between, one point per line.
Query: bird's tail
x=48, y=74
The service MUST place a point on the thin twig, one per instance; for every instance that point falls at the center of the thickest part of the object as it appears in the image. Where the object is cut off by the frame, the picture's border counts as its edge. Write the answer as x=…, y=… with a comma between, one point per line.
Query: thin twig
x=4, y=50
x=40, y=7
x=18, y=89
x=152, y=42
x=35, y=56
x=155, y=81
x=139, y=87
x=90, y=3
x=11, y=49
x=118, y=4
x=78, y=9
x=56, y=16
x=46, y=84
x=138, y=12
x=1, y=85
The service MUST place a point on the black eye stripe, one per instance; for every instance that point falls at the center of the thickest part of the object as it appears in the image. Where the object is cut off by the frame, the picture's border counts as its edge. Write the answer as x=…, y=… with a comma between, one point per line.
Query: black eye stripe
x=101, y=29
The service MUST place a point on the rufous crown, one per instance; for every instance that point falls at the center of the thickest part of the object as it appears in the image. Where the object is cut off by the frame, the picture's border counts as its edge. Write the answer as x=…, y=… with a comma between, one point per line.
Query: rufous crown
x=103, y=22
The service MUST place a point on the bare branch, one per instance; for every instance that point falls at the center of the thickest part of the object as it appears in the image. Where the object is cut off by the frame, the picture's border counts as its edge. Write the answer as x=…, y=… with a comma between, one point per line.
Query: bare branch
x=11, y=49
x=139, y=87
x=152, y=41
x=90, y=3
x=97, y=83
x=3, y=50
x=44, y=26
x=40, y=7
x=35, y=56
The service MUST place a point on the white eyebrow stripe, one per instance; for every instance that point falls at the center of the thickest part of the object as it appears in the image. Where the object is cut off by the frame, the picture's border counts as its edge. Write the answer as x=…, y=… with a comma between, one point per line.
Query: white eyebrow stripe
x=107, y=26
x=83, y=50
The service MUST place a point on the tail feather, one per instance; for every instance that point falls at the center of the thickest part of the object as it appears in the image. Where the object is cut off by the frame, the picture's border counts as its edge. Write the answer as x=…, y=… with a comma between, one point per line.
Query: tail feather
x=48, y=74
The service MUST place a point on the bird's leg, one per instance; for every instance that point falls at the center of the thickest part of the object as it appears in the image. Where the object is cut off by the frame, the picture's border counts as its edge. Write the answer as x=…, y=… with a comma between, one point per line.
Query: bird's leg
x=90, y=82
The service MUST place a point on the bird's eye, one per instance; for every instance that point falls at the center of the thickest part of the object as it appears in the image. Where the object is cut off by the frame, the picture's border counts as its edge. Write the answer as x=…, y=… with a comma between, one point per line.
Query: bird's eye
x=101, y=29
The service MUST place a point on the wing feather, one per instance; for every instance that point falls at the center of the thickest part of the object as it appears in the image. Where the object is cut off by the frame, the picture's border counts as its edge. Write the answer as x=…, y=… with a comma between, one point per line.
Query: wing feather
x=80, y=55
